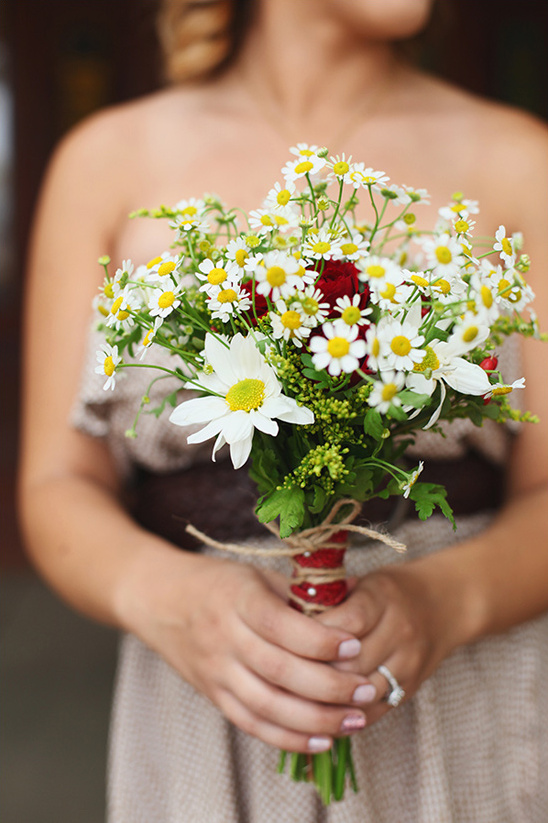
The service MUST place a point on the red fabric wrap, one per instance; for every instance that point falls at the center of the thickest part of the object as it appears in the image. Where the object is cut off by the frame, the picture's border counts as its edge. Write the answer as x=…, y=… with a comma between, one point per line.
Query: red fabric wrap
x=325, y=594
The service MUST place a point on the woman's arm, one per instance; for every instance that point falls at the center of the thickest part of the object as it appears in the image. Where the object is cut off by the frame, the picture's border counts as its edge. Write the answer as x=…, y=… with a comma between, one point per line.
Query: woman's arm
x=222, y=625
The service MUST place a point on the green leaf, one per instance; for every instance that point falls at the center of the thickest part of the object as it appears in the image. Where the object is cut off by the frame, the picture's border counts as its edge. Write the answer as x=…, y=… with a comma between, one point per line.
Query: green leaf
x=318, y=501
x=411, y=398
x=287, y=504
x=373, y=425
x=427, y=496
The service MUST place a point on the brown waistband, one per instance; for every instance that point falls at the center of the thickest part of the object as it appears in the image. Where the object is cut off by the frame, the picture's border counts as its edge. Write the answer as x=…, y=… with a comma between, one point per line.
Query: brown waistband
x=220, y=501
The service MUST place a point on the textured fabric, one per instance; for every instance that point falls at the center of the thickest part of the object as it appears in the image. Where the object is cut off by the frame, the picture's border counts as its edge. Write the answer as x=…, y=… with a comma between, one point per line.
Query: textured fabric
x=470, y=747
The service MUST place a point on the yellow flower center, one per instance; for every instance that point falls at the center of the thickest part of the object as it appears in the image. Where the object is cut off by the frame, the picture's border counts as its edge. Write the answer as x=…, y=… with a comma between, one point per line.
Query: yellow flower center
x=109, y=366
x=429, y=361
x=190, y=210
x=461, y=226
x=166, y=300
x=499, y=390
x=116, y=305
x=321, y=247
x=280, y=221
x=443, y=285
x=470, y=334
x=504, y=285
x=166, y=268
x=107, y=291
x=338, y=347
x=216, y=276
x=486, y=296
x=506, y=246
x=376, y=270
x=240, y=257
x=306, y=152
x=123, y=315
x=349, y=248
x=246, y=395
x=443, y=254
x=400, y=345
x=153, y=262
x=147, y=338
x=102, y=311
x=252, y=241
x=283, y=197
x=227, y=296
x=310, y=306
x=389, y=291
x=305, y=166
x=266, y=220
x=457, y=207
x=351, y=315
x=388, y=391
x=514, y=296
x=419, y=281
x=375, y=347
x=341, y=167
x=276, y=276
x=291, y=320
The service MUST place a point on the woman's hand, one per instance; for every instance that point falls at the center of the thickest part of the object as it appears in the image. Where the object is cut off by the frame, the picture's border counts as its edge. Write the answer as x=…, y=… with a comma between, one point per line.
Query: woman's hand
x=405, y=621
x=226, y=628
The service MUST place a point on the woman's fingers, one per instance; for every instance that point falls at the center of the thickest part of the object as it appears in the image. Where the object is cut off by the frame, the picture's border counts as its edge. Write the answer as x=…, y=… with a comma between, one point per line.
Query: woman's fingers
x=310, y=679
x=263, y=611
x=290, y=711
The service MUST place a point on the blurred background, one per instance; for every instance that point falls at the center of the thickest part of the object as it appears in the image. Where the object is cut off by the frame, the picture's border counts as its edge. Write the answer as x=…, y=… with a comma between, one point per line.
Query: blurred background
x=60, y=60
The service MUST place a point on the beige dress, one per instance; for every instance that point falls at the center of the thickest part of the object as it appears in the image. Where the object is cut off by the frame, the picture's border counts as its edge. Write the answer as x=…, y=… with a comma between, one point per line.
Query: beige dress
x=470, y=747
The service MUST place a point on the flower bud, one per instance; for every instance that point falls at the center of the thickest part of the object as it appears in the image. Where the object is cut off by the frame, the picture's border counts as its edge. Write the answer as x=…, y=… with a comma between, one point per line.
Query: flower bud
x=489, y=363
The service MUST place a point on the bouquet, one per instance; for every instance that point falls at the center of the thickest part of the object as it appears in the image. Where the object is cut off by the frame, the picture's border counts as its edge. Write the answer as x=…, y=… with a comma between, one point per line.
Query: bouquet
x=321, y=332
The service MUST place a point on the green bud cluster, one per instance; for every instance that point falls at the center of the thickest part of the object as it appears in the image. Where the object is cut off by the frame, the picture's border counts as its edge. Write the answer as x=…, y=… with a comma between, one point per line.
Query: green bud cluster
x=325, y=461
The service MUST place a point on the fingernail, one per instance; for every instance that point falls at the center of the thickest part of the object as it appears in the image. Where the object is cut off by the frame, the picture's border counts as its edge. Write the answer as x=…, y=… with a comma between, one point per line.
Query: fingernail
x=319, y=744
x=365, y=693
x=353, y=722
x=349, y=648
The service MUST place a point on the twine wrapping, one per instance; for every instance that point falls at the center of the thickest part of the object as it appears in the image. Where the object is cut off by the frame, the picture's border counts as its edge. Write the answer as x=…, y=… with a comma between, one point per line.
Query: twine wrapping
x=317, y=556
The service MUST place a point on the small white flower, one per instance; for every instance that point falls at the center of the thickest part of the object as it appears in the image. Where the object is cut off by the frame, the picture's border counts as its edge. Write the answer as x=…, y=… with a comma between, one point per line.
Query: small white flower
x=244, y=394
x=350, y=310
x=227, y=302
x=408, y=194
x=307, y=162
x=352, y=247
x=322, y=244
x=406, y=487
x=400, y=344
x=120, y=314
x=162, y=302
x=505, y=245
x=498, y=389
x=339, y=351
x=512, y=291
x=238, y=251
x=289, y=323
x=385, y=391
x=264, y=221
x=361, y=177
x=279, y=197
x=147, y=342
x=161, y=267
x=277, y=275
x=462, y=208
x=189, y=222
x=444, y=255
x=108, y=358
x=218, y=275
x=314, y=310
x=340, y=167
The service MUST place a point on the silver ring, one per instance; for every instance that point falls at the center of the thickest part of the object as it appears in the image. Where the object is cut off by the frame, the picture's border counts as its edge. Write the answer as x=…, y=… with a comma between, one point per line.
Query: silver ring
x=396, y=694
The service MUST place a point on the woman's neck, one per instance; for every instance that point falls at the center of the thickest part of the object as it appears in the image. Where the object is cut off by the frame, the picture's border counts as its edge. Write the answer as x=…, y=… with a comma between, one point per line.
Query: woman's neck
x=307, y=73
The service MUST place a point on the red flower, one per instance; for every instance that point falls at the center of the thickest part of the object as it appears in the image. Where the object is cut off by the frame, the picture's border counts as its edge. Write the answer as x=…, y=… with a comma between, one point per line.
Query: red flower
x=340, y=278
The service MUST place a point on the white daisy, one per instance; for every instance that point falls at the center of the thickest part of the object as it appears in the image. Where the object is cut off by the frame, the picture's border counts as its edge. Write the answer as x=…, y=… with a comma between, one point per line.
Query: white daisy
x=309, y=164
x=162, y=302
x=227, y=302
x=108, y=358
x=339, y=351
x=400, y=344
x=120, y=315
x=499, y=389
x=460, y=207
x=414, y=476
x=276, y=275
x=352, y=246
x=278, y=198
x=264, y=221
x=385, y=391
x=161, y=267
x=314, y=310
x=289, y=323
x=444, y=255
x=322, y=244
x=350, y=310
x=217, y=275
x=361, y=177
x=505, y=245
x=245, y=394
x=378, y=271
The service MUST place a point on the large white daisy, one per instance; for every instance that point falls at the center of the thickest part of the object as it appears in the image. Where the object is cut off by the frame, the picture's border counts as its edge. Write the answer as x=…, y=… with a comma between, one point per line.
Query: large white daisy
x=244, y=394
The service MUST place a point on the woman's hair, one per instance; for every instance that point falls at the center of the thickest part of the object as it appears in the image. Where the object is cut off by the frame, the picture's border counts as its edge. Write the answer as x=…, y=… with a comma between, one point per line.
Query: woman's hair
x=200, y=38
